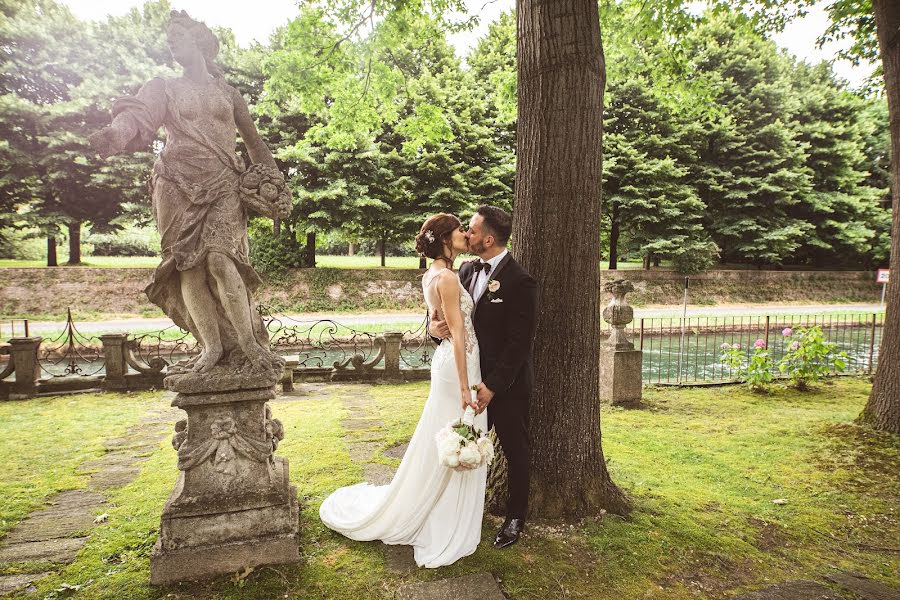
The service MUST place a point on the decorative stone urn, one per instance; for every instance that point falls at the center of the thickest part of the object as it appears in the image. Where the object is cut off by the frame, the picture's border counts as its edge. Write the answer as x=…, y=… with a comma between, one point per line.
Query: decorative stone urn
x=620, y=362
x=618, y=313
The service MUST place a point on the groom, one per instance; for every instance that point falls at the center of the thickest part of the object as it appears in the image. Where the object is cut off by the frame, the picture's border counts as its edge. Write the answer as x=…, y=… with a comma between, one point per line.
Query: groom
x=504, y=317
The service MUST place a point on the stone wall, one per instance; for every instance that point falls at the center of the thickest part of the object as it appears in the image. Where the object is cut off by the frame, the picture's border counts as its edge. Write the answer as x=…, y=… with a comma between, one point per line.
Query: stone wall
x=37, y=292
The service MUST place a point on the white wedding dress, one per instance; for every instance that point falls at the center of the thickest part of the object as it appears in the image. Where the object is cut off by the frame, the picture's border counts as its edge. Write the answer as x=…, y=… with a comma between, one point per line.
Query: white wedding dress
x=434, y=509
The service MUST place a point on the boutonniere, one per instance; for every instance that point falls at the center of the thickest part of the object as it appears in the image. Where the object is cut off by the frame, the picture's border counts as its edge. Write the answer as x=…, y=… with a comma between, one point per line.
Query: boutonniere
x=493, y=287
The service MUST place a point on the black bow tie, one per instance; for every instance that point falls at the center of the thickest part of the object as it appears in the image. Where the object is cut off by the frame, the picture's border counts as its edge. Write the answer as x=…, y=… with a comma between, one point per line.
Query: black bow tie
x=482, y=265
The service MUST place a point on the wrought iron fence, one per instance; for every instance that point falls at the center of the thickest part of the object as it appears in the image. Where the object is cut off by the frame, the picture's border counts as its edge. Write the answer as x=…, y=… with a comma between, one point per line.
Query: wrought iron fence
x=687, y=351
x=71, y=353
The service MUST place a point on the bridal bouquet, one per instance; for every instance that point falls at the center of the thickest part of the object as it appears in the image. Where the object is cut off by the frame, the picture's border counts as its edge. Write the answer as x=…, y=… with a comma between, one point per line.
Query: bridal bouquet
x=461, y=446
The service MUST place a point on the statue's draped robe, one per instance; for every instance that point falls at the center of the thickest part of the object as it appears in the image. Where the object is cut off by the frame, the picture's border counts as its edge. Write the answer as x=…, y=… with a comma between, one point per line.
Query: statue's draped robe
x=196, y=202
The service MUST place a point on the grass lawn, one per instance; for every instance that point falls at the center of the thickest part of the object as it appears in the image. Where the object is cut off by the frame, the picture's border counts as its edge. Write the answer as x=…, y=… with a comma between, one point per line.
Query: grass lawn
x=702, y=466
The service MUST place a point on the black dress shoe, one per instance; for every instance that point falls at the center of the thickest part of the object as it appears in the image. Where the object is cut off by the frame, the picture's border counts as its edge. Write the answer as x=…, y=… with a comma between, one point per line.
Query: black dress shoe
x=509, y=533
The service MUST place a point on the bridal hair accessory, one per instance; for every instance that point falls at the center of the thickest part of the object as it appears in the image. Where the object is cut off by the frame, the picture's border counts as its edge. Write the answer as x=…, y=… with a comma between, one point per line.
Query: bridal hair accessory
x=429, y=235
x=462, y=446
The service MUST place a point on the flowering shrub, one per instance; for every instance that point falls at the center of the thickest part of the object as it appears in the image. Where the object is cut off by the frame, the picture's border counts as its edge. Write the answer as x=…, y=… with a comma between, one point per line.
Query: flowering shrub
x=809, y=356
x=757, y=373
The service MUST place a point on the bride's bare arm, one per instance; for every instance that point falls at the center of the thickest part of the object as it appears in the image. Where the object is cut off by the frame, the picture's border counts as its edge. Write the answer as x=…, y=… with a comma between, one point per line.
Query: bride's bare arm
x=448, y=290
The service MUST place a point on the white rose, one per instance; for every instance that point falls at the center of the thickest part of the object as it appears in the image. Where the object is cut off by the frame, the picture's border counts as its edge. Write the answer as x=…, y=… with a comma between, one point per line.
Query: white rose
x=493, y=286
x=469, y=455
x=452, y=460
x=449, y=445
x=486, y=448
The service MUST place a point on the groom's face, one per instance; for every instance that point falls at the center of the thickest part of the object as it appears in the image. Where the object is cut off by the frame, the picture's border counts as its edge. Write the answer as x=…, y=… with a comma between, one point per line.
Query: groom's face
x=479, y=238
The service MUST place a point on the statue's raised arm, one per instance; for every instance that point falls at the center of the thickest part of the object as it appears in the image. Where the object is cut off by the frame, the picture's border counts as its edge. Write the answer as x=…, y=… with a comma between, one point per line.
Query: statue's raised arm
x=202, y=192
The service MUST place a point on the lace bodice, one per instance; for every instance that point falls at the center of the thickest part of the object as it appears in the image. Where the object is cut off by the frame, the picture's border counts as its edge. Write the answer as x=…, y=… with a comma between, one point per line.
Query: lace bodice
x=432, y=300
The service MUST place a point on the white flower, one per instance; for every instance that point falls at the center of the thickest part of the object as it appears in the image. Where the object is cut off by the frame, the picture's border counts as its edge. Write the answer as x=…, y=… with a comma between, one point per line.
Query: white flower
x=429, y=235
x=486, y=447
x=449, y=445
x=493, y=286
x=451, y=460
x=469, y=456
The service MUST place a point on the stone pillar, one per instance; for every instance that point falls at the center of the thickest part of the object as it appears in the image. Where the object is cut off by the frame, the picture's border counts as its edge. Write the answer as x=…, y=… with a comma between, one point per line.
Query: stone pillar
x=28, y=367
x=287, y=378
x=232, y=507
x=620, y=362
x=392, y=342
x=114, y=348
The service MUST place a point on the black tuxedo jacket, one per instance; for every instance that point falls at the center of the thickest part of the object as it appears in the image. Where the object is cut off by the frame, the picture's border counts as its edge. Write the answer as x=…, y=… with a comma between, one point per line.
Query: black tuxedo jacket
x=504, y=323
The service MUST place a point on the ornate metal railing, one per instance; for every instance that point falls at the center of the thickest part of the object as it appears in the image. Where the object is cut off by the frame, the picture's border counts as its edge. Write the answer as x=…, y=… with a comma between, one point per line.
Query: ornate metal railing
x=71, y=353
x=150, y=353
x=321, y=343
x=417, y=347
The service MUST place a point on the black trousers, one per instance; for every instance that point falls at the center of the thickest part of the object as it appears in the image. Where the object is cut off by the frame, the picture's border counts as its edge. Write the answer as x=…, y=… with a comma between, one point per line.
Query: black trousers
x=508, y=414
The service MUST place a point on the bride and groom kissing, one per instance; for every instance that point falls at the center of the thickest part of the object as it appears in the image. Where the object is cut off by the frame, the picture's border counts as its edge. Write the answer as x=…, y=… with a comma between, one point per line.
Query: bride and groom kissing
x=483, y=318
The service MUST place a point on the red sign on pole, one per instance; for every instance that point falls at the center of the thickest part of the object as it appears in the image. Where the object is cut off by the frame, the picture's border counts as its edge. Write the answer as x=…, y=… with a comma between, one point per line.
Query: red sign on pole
x=883, y=275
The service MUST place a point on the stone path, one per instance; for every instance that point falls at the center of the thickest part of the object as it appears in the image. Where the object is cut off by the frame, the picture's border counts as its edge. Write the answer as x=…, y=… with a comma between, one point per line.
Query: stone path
x=852, y=587
x=364, y=436
x=54, y=535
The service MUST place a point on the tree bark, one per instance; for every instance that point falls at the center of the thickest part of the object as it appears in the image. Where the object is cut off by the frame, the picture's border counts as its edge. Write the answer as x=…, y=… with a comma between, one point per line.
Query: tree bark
x=647, y=262
x=51, y=251
x=276, y=226
x=561, y=75
x=310, y=258
x=882, y=411
x=382, y=251
x=351, y=250
x=614, y=238
x=74, y=243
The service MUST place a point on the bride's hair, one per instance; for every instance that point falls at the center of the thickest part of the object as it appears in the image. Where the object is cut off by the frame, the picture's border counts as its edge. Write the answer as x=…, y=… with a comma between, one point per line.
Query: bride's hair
x=435, y=232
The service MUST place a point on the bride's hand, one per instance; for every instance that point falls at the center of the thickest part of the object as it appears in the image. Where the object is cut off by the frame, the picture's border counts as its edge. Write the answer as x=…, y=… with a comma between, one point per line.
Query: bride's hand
x=466, y=398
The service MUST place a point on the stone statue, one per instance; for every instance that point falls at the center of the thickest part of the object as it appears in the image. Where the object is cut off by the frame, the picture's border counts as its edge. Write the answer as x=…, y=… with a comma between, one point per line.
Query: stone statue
x=233, y=507
x=201, y=194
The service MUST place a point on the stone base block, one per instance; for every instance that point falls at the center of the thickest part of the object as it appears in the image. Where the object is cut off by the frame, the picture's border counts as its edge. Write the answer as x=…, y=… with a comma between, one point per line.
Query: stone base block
x=203, y=562
x=620, y=376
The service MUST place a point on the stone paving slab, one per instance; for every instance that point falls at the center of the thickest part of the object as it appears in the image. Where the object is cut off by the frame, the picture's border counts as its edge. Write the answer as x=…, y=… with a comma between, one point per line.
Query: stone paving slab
x=399, y=559
x=865, y=588
x=70, y=513
x=378, y=474
x=13, y=583
x=396, y=451
x=60, y=550
x=363, y=451
x=361, y=424
x=113, y=477
x=792, y=590
x=480, y=586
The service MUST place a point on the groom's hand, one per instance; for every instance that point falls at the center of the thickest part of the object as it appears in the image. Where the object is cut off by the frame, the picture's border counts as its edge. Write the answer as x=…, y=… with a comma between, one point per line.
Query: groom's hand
x=438, y=329
x=484, y=397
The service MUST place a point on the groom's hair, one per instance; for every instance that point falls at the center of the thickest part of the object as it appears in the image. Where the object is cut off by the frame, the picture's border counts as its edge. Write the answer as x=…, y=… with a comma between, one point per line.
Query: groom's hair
x=498, y=221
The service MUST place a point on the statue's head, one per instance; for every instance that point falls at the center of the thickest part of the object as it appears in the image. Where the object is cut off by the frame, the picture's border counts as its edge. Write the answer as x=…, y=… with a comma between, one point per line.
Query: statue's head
x=188, y=37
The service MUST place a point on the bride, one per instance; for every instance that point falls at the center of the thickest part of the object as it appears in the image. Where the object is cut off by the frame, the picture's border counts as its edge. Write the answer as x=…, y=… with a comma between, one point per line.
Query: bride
x=434, y=509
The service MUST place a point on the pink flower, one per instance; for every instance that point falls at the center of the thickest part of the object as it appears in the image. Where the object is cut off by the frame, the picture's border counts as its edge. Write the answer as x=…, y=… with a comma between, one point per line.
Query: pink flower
x=787, y=331
x=759, y=344
x=735, y=346
x=795, y=345
x=724, y=346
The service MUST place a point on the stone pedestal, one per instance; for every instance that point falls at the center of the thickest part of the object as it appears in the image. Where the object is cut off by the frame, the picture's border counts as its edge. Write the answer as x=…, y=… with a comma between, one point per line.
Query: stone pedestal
x=620, y=375
x=114, y=347
x=24, y=352
x=392, y=343
x=233, y=506
x=620, y=362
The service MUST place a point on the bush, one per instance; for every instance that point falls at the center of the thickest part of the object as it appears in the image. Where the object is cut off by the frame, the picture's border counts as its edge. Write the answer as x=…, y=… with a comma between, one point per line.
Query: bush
x=274, y=255
x=696, y=257
x=757, y=373
x=128, y=242
x=809, y=356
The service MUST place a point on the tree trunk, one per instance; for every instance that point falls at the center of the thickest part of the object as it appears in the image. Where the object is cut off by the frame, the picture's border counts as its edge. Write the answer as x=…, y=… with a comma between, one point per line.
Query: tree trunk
x=559, y=147
x=614, y=238
x=883, y=408
x=647, y=262
x=351, y=250
x=310, y=258
x=423, y=262
x=382, y=245
x=75, y=243
x=51, y=251
x=276, y=226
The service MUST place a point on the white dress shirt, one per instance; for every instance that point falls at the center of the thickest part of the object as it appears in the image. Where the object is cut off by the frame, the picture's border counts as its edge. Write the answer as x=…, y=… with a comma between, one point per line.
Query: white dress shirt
x=482, y=278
